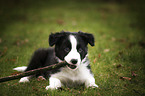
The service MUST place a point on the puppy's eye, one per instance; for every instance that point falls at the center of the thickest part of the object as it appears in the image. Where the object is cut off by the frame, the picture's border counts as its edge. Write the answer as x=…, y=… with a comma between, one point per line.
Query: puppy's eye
x=66, y=49
x=80, y=50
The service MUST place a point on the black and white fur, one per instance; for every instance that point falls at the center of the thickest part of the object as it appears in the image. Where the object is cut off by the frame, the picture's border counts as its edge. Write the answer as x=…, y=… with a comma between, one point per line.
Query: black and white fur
x=70, y=47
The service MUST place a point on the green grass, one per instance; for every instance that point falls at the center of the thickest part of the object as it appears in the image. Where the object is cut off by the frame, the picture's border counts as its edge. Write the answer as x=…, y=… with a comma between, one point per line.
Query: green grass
x=25, y=27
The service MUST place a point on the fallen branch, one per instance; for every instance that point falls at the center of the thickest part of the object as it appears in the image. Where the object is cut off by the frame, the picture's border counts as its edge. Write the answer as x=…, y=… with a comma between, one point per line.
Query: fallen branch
x=32, y=72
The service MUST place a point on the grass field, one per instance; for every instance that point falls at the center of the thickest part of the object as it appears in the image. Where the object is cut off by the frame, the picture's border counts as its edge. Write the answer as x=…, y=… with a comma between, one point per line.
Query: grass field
x=117, y=59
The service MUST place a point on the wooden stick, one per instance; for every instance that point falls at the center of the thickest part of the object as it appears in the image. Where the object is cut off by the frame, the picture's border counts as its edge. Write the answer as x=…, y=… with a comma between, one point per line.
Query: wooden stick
x=32, y=72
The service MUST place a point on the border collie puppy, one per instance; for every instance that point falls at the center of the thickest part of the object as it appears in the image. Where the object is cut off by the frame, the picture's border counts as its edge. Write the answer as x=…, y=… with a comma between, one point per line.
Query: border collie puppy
x=70, y=47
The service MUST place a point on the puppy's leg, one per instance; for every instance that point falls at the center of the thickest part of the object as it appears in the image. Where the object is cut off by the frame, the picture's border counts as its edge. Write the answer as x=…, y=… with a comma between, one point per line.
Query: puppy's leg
x=54, y=83
x=24, y=79
x=35, y=62
x=90, y=82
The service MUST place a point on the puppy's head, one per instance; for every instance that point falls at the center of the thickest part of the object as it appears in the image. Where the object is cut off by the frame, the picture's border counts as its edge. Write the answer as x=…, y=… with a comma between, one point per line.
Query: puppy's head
x=71, y=46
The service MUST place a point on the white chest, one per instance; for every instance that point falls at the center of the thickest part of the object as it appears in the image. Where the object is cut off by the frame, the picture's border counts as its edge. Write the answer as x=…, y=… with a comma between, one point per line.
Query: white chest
x=72, y=77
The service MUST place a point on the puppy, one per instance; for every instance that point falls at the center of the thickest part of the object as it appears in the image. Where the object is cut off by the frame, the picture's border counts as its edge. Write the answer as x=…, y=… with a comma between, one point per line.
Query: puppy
x=70, y=47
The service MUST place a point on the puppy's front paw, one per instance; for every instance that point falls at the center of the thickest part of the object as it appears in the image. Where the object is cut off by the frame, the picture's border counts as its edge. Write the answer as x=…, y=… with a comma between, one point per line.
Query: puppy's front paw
x=50, y=87
x=54, y=83
x=24, y=80
x=93, y=86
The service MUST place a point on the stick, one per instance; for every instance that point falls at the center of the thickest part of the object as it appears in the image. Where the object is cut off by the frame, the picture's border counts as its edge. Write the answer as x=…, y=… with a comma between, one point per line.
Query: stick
x=32, y=72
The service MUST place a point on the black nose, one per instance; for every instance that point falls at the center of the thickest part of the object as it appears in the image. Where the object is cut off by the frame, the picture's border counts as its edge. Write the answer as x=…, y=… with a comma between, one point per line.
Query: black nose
x=74, y=61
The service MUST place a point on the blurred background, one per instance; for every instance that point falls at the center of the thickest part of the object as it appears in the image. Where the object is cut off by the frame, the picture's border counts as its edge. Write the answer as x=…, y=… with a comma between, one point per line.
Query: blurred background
x=51, y=11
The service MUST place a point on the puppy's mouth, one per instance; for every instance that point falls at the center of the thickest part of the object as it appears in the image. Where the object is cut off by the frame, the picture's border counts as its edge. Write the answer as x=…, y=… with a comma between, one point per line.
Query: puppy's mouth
x=72, y=66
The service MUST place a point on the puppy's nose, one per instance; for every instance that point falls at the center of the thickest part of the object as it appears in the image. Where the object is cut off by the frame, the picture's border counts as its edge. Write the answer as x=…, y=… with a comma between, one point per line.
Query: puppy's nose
x=74, y=61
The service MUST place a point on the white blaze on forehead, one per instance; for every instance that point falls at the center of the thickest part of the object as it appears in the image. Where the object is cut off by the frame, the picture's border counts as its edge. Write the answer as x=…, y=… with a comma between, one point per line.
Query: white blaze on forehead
x=73, y=42
x=73, y=54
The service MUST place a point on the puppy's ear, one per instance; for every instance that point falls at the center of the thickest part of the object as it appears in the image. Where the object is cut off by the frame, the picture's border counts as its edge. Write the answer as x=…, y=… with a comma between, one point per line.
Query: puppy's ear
x=54, y=38
x=89, y=38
